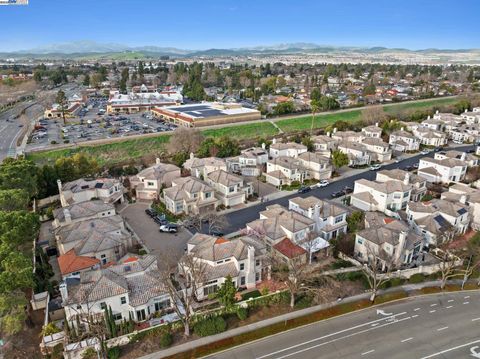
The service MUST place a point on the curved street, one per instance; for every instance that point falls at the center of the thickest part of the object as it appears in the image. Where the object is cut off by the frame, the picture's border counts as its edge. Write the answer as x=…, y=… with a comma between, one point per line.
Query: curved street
x=445, y=325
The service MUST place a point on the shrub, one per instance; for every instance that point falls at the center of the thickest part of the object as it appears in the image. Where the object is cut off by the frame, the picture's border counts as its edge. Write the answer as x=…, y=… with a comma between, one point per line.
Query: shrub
x=252, y=294
x=113, y=353
x=417, y=278
x=304, y=302
x=242, y=313
x=210, y=326
x=166, y=340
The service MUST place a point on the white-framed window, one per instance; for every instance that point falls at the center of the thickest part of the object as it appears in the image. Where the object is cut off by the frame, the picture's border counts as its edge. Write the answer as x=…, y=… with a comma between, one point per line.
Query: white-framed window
x=242, y=266
x=123, y=300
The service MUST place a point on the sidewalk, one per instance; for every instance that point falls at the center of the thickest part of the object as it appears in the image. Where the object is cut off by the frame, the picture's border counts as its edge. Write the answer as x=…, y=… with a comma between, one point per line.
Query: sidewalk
x=284, y=317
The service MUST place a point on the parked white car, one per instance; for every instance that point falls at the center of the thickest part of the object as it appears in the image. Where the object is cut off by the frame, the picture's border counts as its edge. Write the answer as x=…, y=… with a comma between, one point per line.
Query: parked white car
x=375, y=167
x=322, y=183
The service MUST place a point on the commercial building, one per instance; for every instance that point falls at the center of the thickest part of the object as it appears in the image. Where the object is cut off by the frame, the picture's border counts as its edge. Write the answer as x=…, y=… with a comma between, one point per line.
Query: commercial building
x=206, y=114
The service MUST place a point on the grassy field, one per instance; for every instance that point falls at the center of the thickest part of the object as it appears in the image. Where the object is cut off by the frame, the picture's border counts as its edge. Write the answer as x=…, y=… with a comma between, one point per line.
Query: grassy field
x=108, y=154
x=241, y=132
x=425, y=105
x=305, y=122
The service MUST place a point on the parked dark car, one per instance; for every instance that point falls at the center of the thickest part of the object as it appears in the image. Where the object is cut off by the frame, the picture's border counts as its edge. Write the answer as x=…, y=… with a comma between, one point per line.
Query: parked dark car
x=304, y=189
x=160, y=219
x=408, y=168
x=348, y=190
x=151, y=212
x=216, y=233
x=337, y=194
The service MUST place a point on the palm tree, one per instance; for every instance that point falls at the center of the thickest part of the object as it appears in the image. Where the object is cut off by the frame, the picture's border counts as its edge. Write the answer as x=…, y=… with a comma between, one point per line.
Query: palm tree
x=315, y=106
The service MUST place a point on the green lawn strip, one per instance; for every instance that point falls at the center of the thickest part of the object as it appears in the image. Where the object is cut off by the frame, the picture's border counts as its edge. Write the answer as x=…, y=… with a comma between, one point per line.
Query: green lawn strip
x=421, y=105
x=286, y=325
x=241, y=132
x=305, y=122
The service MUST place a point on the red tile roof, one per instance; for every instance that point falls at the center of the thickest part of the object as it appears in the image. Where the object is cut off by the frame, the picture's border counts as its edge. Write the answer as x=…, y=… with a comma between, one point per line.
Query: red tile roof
x=289, y=249
x=130, y=259
x=388, y=220
x=221, y=240
x=70, y=262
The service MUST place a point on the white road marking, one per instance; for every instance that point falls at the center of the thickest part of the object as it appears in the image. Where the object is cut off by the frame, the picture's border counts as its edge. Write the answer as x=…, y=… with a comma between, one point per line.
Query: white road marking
x=416, y=309
x=466, y=297
x=449, y=350
x=475, y=319
x=433, y=311
x=414, y=316
x=433, y=305
x=440, y=329
x=330, y=341
x=450, y=300
x=450, y=306
x=406, y=340
x=466, y=302
x=374, y=324
x=370, y=351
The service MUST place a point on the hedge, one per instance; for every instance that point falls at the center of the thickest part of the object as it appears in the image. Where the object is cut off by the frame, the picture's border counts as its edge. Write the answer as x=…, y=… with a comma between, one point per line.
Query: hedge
x=210, y=326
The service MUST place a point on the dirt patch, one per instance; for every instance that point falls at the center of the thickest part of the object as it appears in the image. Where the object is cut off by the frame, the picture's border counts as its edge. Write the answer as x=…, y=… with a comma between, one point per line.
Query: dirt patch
x=25, y=344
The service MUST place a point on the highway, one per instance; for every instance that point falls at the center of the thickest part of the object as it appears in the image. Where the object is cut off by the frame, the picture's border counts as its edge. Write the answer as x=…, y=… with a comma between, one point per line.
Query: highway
x=445, y=325
x=238, y=219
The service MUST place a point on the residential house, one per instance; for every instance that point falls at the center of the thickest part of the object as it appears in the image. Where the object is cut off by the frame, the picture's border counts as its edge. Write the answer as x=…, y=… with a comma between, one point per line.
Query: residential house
x=390, y=241
x=289, y=149
x=380, y=151
x=72, y=265
x=149, y=182
x=250, y=162
x=357, y=153
x=467, y=158
x=285, y=170
x=438, y=220
x=388, y=197
x=189, y=195
x=465, y=133
x=372, y=131
x=433, y=124
x=347, y=136
x=241, y=258
x=324, y=144
x=418, y=184
x=445, y=171
x=317, y=166
x=82, y=211
x=466, y=195
x=330, y=219
x=471, y=117
x=201, y=167
x=108, y=190
x=231, y=190
x=131, y=289
x=103, y=238
x=404, y=141
x=430, y=137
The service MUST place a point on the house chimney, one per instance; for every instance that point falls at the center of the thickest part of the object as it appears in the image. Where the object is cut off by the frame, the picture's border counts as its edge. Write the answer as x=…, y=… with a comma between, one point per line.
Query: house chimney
x=406, y=180
x=428, y=118
x=264, y=145
x=376, y=124
x=402, y=238
x=157, y=161
x=250, y=267
x=274, y=141
x=402, y=129
x=63, y=201
x=316, y=216
x=67, y=215
x=466, y=110
x=335, y=130
x=463, y=199
x=436, y=112
x=464, y=156
x=328, y=133
x=192, y=155
x=63, y=292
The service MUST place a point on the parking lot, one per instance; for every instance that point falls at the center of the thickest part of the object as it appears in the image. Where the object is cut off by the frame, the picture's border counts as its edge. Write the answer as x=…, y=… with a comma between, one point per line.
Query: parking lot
x=171, y=245
x=92, y=123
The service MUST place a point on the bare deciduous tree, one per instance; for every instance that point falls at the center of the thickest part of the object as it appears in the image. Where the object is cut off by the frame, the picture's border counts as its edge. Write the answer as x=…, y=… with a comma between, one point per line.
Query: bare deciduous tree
x=214, y=222
x=182, y=284
x=373, y=114
x=185, y=140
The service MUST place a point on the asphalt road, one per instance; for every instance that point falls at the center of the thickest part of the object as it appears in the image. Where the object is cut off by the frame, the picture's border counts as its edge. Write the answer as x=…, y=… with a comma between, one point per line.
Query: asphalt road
x=238, y=219
x=444, y=326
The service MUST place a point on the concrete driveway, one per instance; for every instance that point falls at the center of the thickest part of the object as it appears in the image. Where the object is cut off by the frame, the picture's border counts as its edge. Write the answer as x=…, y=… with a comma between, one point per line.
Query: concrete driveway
x=165, y=245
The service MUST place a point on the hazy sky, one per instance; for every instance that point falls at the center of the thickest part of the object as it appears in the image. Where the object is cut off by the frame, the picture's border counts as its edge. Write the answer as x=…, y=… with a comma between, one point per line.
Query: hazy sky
x=200, y=24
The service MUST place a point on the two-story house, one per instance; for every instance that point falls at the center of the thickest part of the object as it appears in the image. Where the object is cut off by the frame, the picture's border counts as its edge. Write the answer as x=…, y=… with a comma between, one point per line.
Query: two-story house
x=471, y=117
x=380, y=151
x=347, y=136
x=469, y=159
x=285, y=170
x=250, y=162
x=430, y=137
x=391, y=242
x=230, y=190
x=317, y=166
x=82, y=211
x=446, y=170
x=438, y=220
x=404, y=141
x=357, y=153
x=469, y=196
x=108, y=190
x=131, y=289
x=149, y=182
x=324, y=144
x=241, y=258
x=417, y=183
x=201, y=167
x=289, y=149
x=372, y=131
x=189, y=195
x=330, y=219
x=387, y=197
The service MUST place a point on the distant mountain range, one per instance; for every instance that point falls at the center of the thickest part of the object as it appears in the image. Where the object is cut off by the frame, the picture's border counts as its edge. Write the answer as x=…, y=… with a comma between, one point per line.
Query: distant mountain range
x=79, y=49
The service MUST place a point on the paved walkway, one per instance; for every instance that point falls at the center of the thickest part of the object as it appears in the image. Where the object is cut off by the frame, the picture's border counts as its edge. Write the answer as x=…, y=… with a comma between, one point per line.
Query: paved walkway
x=281, y=318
